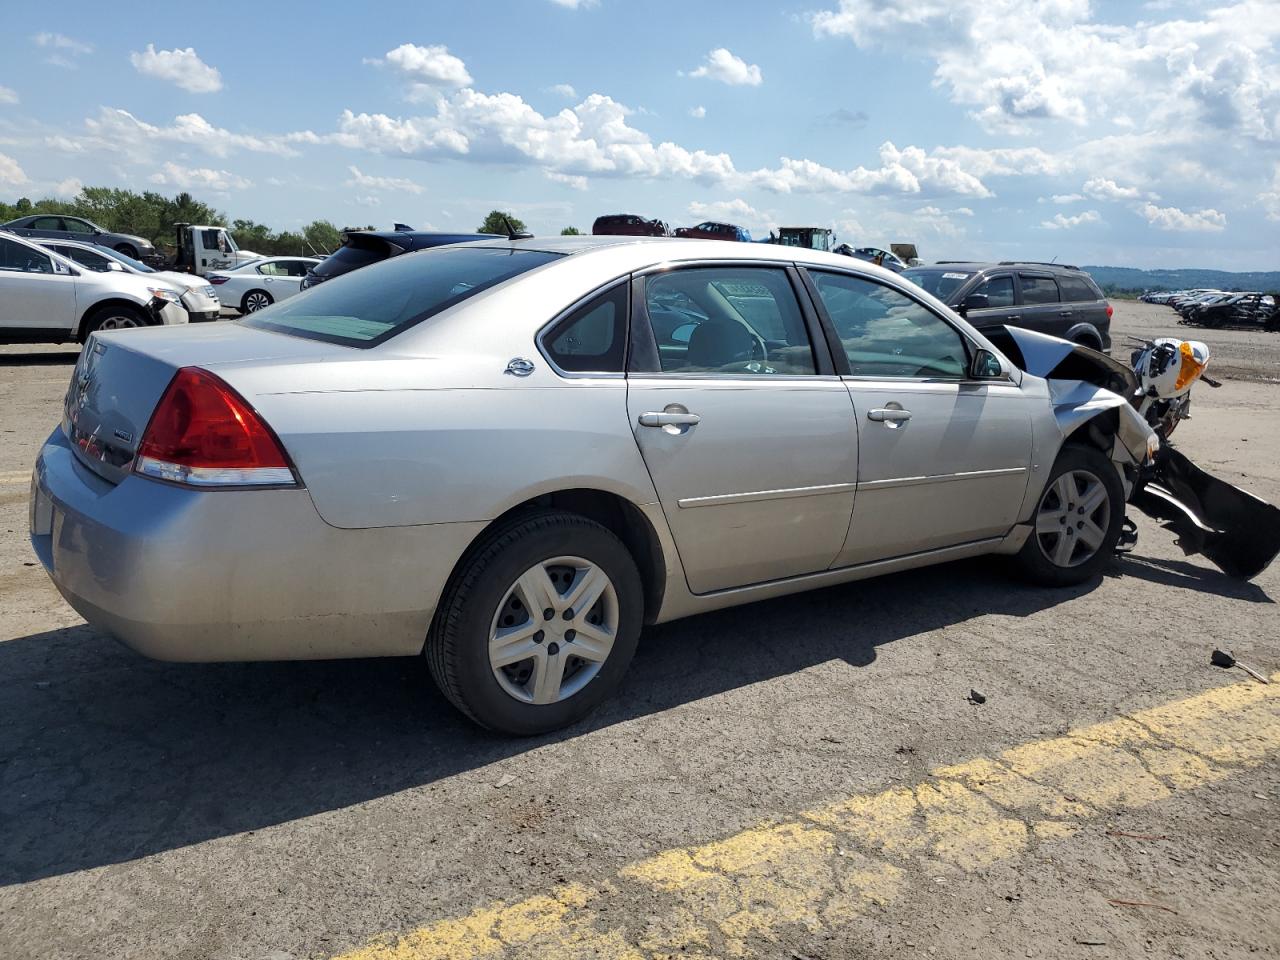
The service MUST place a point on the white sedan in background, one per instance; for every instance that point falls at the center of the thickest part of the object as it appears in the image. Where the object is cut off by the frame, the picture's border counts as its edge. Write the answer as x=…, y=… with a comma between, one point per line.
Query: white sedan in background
x=260, y=283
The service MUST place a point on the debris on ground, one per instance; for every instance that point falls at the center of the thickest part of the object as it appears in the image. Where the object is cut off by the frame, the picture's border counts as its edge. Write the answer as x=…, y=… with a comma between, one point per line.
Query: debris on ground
x=976, y=697
x=1142, y=903
x=1137, y=836
x=1221, y=658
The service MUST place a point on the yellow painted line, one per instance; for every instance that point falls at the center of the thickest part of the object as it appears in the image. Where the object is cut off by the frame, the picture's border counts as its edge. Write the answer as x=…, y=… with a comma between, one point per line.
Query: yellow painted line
x=824, y=866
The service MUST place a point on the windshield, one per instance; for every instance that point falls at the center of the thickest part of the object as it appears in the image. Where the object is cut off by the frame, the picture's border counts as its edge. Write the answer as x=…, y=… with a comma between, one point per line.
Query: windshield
x=937, y=281
x=133, y=264
x=374, y=304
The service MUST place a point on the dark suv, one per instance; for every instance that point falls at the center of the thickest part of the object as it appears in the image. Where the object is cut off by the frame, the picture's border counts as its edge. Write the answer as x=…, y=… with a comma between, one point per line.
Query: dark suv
x=710, y=230
x=628, y=225
x=363, y=247
x=1047, y=297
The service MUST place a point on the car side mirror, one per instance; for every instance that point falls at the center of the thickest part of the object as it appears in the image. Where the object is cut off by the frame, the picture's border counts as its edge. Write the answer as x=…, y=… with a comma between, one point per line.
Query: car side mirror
x=63, y=269
x=986, y=366
x=115, y=266
x=974, y=301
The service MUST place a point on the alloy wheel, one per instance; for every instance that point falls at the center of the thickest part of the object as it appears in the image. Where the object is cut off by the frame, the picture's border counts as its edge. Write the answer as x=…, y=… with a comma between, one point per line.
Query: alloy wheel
x=119, y=321
x=256, y=301
x=1073, y=518
x=554, y=630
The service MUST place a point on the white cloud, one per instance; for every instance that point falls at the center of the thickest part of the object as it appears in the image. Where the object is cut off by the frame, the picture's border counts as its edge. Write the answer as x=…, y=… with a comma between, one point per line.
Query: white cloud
x=565, y=90
x=697, y=113
x=63, y=49
x=11, y=173
x=69, y=187
x=192, y=178
x=368, y=200
x=116, y=129
x=359, y=179
x=1101, y=189
x=732, y=211
x=7, y=95
x=181, y=67
x=575, y=4
x=1066, y=198
x=1062, y=222
x=1270, y=200
x=1185, y=221
x=722, y=65
x=568, y=179
x=963, y=211
x=432, y=66
x=909, y=170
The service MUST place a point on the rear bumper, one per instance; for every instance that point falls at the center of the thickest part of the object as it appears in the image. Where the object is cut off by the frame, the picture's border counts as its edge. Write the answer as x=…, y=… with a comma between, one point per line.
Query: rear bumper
x=180, y=574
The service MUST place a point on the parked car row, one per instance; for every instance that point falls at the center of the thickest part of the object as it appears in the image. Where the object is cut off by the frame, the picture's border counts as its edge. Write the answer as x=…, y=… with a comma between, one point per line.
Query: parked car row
x=1220, y=308
x=46, y=296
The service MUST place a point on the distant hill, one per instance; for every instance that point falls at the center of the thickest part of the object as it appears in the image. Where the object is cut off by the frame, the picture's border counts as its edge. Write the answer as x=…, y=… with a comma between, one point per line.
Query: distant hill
x=1113, y=279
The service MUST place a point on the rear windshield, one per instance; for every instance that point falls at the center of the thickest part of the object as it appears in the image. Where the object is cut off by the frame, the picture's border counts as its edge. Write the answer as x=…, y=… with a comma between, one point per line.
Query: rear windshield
x=937, y=281
x=347, y=258
x=372, y=305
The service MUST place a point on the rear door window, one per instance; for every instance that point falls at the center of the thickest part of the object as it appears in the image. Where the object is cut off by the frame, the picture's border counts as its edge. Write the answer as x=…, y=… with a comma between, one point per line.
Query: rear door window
x=1076, y=289
x=728, y=320
x=1038, y=289
x=375, y=304
x=47, y=223
x=593, y=338
x=998, y=291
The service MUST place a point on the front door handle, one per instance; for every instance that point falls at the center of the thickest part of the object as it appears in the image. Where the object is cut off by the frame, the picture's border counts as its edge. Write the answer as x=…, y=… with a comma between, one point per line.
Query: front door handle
x=889, y=414
x=669, y=419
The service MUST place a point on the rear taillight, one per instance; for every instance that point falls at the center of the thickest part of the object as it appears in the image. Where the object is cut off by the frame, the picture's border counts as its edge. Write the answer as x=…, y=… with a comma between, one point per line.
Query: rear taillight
x=204, y=434
x=1110, y=310
x=215, y=279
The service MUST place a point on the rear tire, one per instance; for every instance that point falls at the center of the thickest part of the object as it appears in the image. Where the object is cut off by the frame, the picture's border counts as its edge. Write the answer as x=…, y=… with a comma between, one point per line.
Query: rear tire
x=1077, y=520
x=114, y=317
x=255, y=300
x=498, y=657
x=128, y=249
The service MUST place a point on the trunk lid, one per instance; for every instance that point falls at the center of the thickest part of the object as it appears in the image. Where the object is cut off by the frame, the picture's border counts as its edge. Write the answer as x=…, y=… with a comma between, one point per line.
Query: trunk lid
x=122, y=374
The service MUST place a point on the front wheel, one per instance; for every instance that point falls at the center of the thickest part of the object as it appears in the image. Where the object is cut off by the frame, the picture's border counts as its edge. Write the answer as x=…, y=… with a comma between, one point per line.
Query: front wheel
x=538, y=625
x=1077, y=521
x=114, y=316
x=128, y=249
x=255, y=300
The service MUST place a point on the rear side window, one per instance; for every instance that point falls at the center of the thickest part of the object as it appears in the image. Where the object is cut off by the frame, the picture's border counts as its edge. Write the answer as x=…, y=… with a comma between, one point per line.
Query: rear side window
x=593, y=338
x=1039, y=289
x=350, y=257
x=1075, y=289
x=47, y=223
x=998, y=291
x=375, y=304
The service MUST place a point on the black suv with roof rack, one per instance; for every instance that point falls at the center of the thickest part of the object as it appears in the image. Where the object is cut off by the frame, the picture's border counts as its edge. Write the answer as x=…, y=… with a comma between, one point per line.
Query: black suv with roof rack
x=1049, y=298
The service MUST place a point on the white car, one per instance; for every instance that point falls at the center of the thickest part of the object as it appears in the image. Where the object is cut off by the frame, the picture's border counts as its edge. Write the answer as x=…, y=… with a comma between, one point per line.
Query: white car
x=46, y=298
x=199, y=298
x=252, y=286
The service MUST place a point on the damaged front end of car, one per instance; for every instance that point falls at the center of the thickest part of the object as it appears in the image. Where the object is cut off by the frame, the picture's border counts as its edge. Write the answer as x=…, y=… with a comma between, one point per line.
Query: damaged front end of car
x=1237, y=531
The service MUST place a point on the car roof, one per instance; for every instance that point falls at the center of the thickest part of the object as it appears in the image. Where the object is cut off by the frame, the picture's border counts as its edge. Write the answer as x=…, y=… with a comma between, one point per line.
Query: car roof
x=976, y=265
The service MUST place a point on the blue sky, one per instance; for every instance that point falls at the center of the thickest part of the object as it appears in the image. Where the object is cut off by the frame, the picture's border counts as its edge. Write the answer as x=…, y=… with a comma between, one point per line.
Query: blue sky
x=1143, y=134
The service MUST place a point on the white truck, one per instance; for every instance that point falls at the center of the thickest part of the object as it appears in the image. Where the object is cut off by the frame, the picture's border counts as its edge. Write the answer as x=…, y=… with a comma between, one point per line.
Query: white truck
x=202, y=249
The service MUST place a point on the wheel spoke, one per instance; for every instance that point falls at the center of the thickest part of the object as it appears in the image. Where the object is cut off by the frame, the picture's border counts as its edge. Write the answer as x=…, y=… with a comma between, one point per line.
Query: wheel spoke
x=1063, y=549
x=592, y=642
x=1049, y=521
x=548, y=671
x=1091, y=535
x=537, y=591
x=513, y=644
x=1093, y=497
x=591, y=583
x=1065, y=489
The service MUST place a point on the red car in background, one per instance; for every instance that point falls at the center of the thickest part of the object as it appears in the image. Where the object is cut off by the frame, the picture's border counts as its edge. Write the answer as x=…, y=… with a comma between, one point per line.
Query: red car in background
x=628, y=225
x=710, y=230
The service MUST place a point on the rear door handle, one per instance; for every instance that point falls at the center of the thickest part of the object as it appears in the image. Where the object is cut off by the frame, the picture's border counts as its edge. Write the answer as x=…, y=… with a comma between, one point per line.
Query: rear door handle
x=669, y=419
x=890, y=414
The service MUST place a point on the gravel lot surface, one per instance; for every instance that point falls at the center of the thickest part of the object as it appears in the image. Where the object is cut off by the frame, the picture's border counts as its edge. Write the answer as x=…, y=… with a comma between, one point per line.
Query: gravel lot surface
x=255, y=811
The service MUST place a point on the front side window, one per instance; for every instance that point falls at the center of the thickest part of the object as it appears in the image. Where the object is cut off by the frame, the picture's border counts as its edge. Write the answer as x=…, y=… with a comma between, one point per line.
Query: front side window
x=382, y=300
x=77, y=226
x=998, y=291
x=294, y=268
x=1039, y=289
x=887, y=334
x=593, y=338
x=21, y=259
x=47, y=223
x=86, y=258
x=728, y=320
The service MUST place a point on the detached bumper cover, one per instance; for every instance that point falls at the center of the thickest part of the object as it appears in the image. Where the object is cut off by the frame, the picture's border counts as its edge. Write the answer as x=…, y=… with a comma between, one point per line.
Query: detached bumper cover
x=1237, y=531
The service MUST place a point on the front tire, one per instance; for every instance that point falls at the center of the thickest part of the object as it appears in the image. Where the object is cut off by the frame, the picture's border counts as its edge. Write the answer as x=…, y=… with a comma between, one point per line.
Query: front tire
x=127, y=249
x=1077, y=521
x=255, y=300
x=538, y=625
x=114, y=317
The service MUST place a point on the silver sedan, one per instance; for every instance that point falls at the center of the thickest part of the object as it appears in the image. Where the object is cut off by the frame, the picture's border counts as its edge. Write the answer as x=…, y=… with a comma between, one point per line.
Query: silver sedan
x=511, y=455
